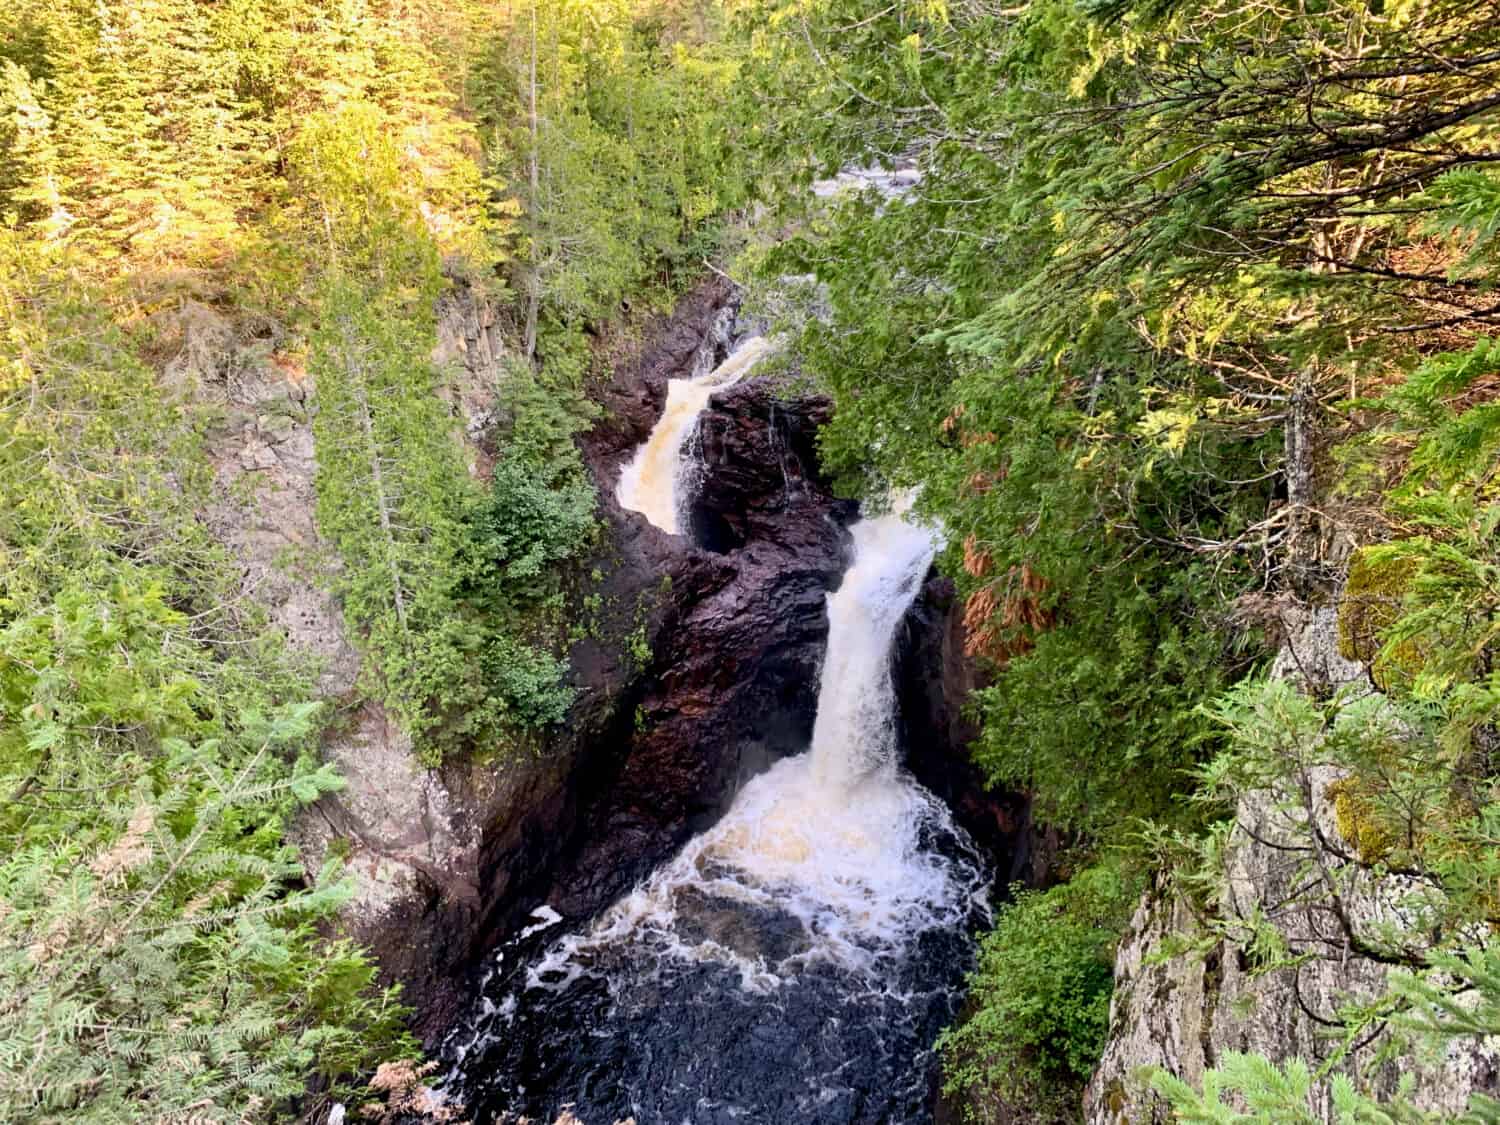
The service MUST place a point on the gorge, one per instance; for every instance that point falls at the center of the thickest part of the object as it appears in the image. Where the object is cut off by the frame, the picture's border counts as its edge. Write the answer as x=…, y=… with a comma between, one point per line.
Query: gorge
x=757, y=561
x=798, y=955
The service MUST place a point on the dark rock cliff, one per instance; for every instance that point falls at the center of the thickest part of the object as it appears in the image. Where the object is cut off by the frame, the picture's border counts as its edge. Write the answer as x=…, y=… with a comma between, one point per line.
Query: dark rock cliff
x=736, y=634
x=934, y=677
x=700, y=668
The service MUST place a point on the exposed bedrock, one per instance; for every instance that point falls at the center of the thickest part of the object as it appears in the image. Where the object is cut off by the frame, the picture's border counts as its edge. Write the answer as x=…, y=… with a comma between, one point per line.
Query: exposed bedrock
x=736, y=639
x=934, y=677
x=1186, y=994
x=700, y=668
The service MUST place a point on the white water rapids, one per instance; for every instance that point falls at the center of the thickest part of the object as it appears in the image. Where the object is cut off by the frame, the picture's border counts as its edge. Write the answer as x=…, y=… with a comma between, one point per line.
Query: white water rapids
x=653, y=482
x=834, y=837
x=794, y=962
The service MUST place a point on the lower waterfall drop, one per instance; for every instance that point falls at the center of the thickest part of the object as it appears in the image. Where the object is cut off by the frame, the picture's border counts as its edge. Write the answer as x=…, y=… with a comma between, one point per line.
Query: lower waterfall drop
x=794, y=962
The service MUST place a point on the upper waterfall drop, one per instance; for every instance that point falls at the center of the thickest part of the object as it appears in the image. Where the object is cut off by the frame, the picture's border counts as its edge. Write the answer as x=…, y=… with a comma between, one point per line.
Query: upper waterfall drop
x=652, y=483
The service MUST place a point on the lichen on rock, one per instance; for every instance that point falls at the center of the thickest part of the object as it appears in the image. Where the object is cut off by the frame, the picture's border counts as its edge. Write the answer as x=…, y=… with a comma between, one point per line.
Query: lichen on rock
x=1286, y=944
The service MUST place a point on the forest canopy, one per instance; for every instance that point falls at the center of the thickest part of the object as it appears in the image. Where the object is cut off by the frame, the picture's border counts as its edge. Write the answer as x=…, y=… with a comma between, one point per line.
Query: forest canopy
x=197, y=198
x=1185, y=331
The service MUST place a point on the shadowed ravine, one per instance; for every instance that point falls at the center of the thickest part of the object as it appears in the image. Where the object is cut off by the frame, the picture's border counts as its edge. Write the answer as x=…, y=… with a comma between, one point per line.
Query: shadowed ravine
x=793, y=962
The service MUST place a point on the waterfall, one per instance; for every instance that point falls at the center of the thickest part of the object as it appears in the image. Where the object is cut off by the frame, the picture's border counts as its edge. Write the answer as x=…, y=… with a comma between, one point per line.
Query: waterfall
x=855, y=731
x=653, y=482
x=794, y=961
x=831, y=836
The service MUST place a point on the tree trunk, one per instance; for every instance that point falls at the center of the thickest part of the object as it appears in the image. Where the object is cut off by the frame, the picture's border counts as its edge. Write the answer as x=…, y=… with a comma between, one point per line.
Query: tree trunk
x=533, y=279
x=377, y=477
x=1302, y=520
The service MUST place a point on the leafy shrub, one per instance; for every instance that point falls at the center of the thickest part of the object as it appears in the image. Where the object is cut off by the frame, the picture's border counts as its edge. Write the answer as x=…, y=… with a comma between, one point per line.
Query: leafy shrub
x=1040, y=1000
x=526, y=525
x=529, y=681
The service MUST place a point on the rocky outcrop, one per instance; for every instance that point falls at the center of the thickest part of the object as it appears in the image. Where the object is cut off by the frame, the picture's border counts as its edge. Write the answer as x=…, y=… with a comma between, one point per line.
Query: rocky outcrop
x=699, y=667
x=410, y=836
x=934, y=678
x=735, y=633
x=1187, y=993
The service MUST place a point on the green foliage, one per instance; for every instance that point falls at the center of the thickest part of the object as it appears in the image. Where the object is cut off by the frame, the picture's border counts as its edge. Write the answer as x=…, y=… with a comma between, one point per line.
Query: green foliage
x=302, y=167
x=154, y=953
x=316, y=148
x=529, y=681
x=538, y=516
x=638, y=647
x=1106, y=485
x=150, y=130
x=1456, y=441
x=436, y=577
x=390, y=479
x=1459, y=1000
x=615, y=128
x=1444, y=633
x=528, y=526
x=1095, y=710
x=1040, y=1000
x=1131, y=257
x=158, y=946
x=544, y=408
x=100, y=458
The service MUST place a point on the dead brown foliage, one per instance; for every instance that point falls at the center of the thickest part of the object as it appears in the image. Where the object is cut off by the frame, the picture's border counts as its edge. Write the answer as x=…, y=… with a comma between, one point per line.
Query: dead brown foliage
x=1003, y=618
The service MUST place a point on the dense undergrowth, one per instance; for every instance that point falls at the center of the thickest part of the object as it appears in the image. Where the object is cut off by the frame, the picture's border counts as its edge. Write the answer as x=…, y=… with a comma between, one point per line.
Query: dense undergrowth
x=317, y=176
x=1192, y=301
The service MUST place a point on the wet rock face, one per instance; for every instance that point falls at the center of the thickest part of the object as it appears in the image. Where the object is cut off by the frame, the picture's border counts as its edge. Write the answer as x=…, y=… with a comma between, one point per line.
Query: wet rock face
x=756, y=468
x=451, y=862
x=934, y=677
x=632, y=400
x=734, y=615
x=736, y=628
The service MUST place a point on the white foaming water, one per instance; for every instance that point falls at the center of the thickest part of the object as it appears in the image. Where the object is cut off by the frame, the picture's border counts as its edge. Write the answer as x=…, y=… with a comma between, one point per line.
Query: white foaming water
x=855, y=733
x=836, y=840
x=889, y=185
x=652, y=483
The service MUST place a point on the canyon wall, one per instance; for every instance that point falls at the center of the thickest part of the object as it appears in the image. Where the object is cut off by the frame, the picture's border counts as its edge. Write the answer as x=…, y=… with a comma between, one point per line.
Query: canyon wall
x=1188, y=991
x=698, y=667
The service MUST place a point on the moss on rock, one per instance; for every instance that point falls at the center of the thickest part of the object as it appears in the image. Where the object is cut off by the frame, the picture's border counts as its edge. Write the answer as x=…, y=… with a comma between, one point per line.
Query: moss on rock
x=1357, y=813
x=1370, y=605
